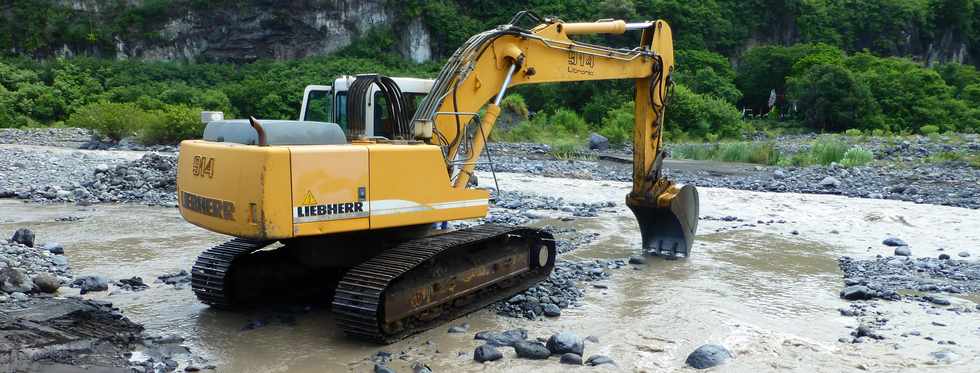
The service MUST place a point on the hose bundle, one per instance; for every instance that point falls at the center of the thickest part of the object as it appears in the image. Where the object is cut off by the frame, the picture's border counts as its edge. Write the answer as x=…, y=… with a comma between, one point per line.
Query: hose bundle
x=357, y=108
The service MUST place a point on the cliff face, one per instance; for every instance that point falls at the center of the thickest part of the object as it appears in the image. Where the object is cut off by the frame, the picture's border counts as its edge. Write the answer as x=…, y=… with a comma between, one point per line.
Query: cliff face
x=246, y=31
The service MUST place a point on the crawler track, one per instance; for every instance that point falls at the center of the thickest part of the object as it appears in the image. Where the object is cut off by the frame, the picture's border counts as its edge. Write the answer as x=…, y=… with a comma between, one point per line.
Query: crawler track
x=419, y=284
x=210, y=275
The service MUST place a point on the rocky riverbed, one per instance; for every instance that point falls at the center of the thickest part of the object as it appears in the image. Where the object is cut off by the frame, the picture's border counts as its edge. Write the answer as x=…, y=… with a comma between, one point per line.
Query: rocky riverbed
x=764, y=264
x=905, y=169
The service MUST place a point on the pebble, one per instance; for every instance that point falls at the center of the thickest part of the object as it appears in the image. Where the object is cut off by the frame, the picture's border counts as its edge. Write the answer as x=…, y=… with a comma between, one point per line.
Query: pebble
x=486, y=352
x=707, y=356
x=637, y=259
x=894, y=241
x=18, y=296
x=551, y=310
x=462, y=328
x=903, y=251
x=378, y=368
x=964, y=254
x=944, y=257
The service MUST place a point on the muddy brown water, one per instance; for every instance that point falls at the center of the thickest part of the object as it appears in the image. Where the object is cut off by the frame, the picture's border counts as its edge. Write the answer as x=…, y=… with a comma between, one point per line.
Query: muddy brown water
x=767, y=294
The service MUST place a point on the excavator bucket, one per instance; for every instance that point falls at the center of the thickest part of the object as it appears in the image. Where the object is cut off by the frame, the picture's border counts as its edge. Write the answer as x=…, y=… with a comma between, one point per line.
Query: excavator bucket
x=668, y=223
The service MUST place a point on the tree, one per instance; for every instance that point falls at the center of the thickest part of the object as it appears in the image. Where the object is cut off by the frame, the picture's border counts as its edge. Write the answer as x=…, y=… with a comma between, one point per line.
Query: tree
x=833, y=99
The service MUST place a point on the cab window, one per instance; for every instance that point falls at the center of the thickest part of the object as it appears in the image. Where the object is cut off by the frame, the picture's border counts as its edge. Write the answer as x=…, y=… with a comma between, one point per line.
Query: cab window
x=318, y=106
x=341, y=110
x=384, y=125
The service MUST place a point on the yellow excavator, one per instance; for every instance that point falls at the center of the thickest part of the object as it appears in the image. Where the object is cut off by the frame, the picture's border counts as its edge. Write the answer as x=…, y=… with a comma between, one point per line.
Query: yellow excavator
x=321, y=208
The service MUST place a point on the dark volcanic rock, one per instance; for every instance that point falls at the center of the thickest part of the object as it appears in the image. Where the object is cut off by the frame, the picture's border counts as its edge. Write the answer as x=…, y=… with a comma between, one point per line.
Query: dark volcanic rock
x=507, y=338
x=599, y=360
x=531, y=350
x=54, y=248
x=856, y=292
x=708, y=356
x=486, y=353
x=91, y=283
x=894, y=241
x=24, y=237
x=565, y=342
x=175, y=278
x=378, y=368
x=571, y=358
x=551, y=310
x=598, y=142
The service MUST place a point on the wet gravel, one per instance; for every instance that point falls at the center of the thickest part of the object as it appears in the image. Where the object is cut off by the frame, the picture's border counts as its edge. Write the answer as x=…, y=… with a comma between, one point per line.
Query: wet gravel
x=901, y=170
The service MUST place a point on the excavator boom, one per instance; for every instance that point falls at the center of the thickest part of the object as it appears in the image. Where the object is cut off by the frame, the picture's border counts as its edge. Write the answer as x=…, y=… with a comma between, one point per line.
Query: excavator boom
x=493, y=61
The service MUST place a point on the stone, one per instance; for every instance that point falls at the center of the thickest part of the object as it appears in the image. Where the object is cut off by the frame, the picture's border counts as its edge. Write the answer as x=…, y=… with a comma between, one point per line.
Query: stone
x=24, y=237
x=894, y=241
x=13, y=280
x=378, y=368
x=485, y=353
x=507, y=338
x=707, y=356
x=598, y=142
x=944, y=257
x=938, y=300
x=592, y=339
x=964, y=254
x=565, y=342
x=18, y=296
x=571, y=358
x=856, y=292
x=779, y=174
x=903, y=251
x=459, y=328
x=829, y=182
x=551, y=310
x=91, y=283
x=54, y=248
x=420, y=367
x=599, y=360
x=47, y=283
x=531, y=350
x=637, y=259
x=944, y=356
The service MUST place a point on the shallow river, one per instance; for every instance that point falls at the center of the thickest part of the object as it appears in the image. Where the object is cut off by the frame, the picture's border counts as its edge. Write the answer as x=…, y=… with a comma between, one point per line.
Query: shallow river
x=764, y=292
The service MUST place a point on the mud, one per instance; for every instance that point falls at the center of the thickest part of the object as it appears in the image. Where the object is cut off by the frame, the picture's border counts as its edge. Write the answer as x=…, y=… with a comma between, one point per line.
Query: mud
x=768, y=295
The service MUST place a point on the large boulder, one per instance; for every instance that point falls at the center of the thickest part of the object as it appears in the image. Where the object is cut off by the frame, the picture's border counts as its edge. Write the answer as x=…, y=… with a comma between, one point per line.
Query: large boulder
x=531, y=350
x=47, y=283
x=13, y=280
x=507, y=338
x=565, y=342
x=598, y=142
x=708, y=356
x=24, y=237
x=91, y=283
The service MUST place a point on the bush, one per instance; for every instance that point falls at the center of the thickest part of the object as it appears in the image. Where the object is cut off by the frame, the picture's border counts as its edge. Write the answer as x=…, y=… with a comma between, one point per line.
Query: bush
x=857, y=157
x=173, y=124
x=617, y=125
x=745, y=152
x=854, y=132
x=110, y=120
x=929, y=129
x=514, y=103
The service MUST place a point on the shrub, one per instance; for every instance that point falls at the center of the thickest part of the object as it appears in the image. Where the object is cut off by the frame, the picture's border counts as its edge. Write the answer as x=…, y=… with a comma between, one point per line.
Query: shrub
x=854, y=132
x=173, y=124
x=514, y=103
x=929, y=129
x=110, y=120
x=827, y=150
x=857, y=157
x=617, y=125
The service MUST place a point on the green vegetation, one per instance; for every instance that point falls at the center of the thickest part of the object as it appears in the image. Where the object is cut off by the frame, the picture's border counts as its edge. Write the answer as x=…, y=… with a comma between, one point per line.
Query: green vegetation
x=823, y=151
x=834, y=65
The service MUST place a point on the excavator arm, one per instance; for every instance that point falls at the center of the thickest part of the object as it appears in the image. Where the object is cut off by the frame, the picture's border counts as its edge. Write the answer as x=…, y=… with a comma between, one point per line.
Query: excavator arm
x=480, y=72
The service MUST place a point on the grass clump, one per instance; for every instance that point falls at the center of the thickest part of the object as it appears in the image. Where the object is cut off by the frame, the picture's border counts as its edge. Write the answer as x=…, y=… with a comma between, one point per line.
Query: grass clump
x=744, y=152
x=827, y=150
x=857, y=157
